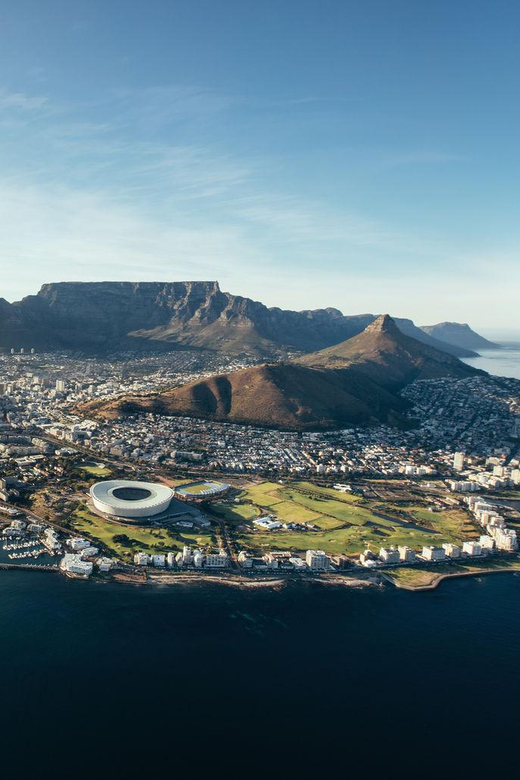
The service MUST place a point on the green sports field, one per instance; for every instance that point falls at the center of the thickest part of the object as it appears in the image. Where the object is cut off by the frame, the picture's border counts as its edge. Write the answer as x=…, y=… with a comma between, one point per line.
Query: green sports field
x=342, y=522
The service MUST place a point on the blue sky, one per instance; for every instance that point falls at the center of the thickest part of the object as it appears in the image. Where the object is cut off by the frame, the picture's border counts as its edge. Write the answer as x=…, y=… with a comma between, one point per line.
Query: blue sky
x=362, y=155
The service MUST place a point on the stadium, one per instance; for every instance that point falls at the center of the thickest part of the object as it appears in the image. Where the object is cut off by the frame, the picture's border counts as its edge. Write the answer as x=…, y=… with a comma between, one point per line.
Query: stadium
x=130, y=500
x=196, y=491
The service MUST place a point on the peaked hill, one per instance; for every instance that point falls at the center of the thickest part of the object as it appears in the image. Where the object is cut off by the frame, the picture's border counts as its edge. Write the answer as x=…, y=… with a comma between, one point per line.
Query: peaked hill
x=388, y=357
x=354, y=383
x=276, y=395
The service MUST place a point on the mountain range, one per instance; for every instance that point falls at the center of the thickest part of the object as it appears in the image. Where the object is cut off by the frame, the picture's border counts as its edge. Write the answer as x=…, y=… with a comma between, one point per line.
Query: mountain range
x=355, y=383
x=101, y=317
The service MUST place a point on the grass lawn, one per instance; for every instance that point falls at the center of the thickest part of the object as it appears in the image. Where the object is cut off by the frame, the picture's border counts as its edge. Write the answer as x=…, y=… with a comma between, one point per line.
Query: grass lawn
x=235, y=513
x=146, y=539
x=347, y=498
x=346, y=523
x=453, y=523
x=344, y=512
x=95, y=471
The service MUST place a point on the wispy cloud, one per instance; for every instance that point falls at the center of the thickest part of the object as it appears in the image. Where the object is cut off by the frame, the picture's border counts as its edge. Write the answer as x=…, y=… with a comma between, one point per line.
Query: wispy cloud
x=17, y=101
x=128, y=188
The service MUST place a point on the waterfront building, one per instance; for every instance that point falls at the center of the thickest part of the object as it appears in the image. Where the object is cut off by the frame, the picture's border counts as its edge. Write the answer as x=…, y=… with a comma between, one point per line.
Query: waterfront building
x=472, y=548
x=317, y=560
x=431, y=553
x=198, y=559
x=105, y=564
x=73, y=564
x=406, y=554
x=389, y=555
x=487, y=543
x=505, y=539
x=217, y=560
x=141, y=559
x=451, y=550
x=245, y=560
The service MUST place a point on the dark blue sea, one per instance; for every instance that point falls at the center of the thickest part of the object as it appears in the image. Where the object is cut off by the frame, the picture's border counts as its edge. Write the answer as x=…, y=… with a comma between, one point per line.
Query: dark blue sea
x=109, y=680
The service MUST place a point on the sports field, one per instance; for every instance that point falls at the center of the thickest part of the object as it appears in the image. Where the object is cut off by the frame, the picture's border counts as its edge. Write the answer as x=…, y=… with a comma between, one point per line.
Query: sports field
x=340, y=522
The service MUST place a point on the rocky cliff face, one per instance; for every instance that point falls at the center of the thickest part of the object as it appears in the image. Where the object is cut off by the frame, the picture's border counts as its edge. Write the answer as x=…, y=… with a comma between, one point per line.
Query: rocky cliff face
x=118, y=315
x=105, y=316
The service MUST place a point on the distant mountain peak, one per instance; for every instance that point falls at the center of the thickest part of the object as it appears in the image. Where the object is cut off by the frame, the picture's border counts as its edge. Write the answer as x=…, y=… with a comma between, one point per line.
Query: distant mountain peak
x=382, y=324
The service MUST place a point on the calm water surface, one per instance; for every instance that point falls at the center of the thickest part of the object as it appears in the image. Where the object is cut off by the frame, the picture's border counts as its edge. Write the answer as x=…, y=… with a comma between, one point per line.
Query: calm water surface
x=115, y=681
x=501, y=362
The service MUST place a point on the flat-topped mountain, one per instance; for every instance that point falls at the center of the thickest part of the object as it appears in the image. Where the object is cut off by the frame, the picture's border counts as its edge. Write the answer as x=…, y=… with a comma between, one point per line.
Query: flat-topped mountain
x=389, y=357
x=459, y=334
x=101, y=317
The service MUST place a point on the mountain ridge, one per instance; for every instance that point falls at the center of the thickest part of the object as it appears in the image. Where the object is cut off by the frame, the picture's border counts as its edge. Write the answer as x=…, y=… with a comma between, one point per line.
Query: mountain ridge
x=101, y=317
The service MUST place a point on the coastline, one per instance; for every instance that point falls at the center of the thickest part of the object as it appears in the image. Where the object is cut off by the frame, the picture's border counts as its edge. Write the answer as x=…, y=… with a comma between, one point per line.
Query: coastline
x=430, y=580
x=241, y=582
x=437, y=579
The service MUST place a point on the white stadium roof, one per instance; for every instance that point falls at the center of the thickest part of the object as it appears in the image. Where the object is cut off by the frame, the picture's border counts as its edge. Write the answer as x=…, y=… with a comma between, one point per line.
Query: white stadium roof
x=130, y=499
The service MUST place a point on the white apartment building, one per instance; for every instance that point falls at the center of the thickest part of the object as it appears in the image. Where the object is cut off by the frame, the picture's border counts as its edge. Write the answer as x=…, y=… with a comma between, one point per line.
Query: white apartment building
x=472, y=548
x=433, y=553
x=389, y=555
x=451, y=550
x=487, y=543
x=458, y=461
x=245, y=560
x=505, y=539
x=73, y=564
x=406, y=554
x=317, y=560
x=217, y=560
x=78, y=543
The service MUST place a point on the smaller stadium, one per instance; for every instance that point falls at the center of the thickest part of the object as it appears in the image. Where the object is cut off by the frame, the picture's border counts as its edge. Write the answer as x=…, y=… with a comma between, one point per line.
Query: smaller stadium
x=198, y=491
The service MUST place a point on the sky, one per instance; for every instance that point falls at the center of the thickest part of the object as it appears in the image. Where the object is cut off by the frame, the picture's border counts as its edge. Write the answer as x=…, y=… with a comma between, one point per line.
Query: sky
x=360, y=154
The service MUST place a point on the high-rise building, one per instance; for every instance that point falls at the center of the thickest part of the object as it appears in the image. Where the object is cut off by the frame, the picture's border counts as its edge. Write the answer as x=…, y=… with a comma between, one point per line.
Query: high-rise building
x=317, y=560
x=458, y=461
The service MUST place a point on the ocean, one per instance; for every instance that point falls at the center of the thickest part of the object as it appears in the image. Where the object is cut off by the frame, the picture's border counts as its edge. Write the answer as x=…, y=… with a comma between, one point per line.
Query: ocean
x=501, y=362
x=109, y=680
